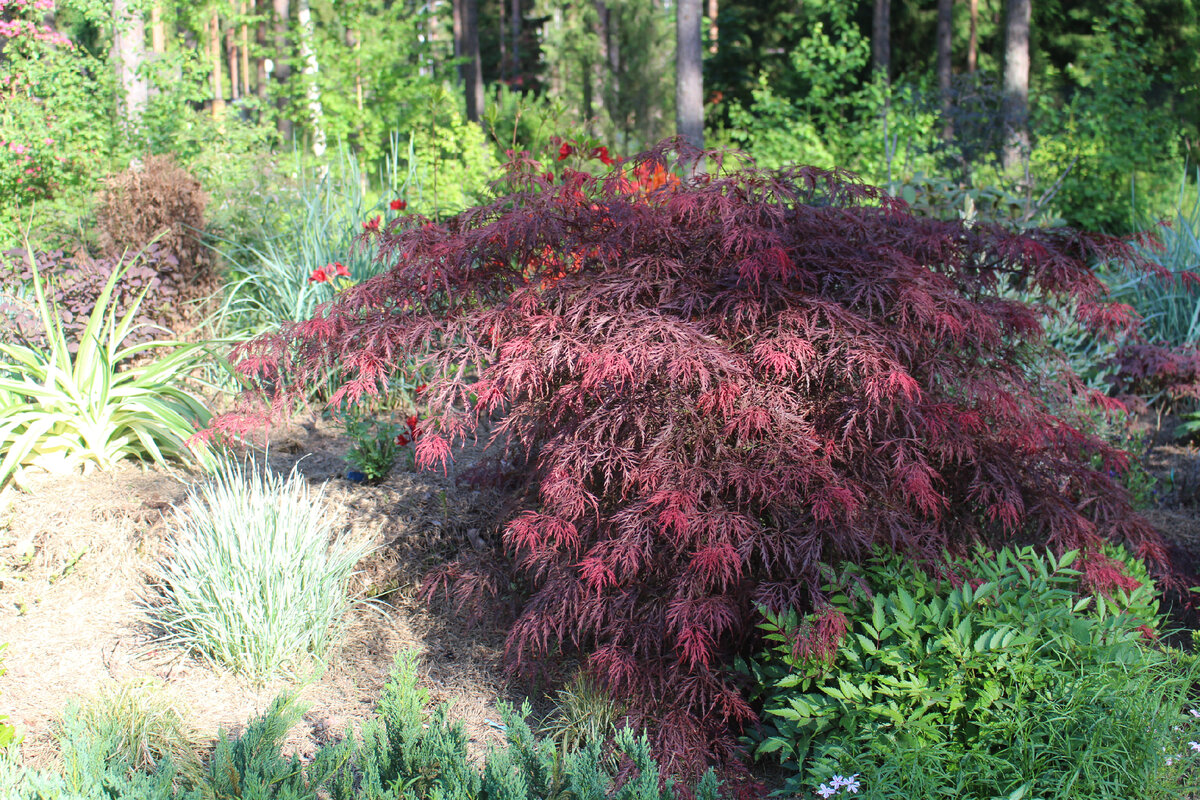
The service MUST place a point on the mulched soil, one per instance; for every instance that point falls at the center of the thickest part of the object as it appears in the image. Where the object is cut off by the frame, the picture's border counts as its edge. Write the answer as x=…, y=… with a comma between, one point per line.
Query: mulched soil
x=74, y=555
x=75, y=551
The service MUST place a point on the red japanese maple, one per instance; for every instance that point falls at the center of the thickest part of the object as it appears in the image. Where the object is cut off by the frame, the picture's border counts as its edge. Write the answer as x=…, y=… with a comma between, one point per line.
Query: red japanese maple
x=716, y=385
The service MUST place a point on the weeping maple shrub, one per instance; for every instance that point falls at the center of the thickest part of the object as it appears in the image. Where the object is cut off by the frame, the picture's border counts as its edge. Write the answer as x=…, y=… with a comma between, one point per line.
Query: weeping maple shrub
x=716, y=385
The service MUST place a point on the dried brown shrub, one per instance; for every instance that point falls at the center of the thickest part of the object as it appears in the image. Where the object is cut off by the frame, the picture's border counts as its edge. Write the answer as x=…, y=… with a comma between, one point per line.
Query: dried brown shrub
x=158, y=198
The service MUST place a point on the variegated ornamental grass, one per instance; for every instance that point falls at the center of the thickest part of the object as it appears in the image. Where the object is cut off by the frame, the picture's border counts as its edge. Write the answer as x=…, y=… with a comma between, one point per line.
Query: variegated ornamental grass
x=97, y=401
x=257, y=577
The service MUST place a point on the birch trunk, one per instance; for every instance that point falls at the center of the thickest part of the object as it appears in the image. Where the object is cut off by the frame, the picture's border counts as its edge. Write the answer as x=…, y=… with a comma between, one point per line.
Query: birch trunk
x=312, y=74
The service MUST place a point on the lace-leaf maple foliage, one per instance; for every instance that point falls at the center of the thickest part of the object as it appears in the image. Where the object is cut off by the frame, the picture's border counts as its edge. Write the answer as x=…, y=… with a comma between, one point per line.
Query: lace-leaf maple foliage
x=718, y=384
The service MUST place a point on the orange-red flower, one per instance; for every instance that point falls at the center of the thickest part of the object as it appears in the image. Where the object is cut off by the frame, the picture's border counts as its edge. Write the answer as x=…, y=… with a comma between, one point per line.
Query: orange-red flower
x=397, y=205
x=602, y=154
x=340, y=269
x=318, y=275
x=372, y=224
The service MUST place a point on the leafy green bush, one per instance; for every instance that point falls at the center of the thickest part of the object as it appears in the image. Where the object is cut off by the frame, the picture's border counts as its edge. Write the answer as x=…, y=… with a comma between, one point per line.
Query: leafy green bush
x=97, y=400
x=404, y=752
x=257, y=577
x=997, y=674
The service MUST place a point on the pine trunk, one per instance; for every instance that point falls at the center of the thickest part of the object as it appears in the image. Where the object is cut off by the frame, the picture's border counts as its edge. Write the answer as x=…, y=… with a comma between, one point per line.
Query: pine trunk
x=231, y=50
x=283, y=67
x=260, y=57
x=242, y=9
x=973, y=38
x=881, y=39
x=515, y=24
x=1016, y=83
x=473, y=86
x=689, y=76
x=945, y=21
x=214, y=53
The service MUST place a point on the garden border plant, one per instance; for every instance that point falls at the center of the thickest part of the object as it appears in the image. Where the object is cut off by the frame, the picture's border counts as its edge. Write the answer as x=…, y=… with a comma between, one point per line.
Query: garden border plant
x=712, y=384
x=93, y=401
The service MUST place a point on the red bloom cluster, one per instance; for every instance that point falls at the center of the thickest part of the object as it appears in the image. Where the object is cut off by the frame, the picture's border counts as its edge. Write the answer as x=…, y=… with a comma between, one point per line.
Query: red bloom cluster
x=372, y=224
x=565, y=151
x=413, y=433
x=602, y=154
x=397, y=205
x=328, y=272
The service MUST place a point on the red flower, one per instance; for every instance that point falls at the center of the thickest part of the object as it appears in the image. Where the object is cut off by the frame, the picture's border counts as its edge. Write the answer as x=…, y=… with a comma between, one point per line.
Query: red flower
x=412, y=421
x=398, y=205
x=565, y=151
x=549, y=176
x=341, y=269
x=602, y=154
x=402, y=440
x=318, y=276
x=420, y=388
x=372, y=225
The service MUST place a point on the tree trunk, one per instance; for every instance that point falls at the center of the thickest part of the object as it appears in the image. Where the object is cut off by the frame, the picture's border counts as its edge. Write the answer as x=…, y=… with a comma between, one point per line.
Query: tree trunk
x=689, y=75
x=712, y=26
x=881, y=39
x=214, y=53
x=474, y=66
x=260, y=59
x=973, y=40
x=231, y=50
x=158, y=31
x=515, y=24
x=502, y=37
x=1016, y=82
x=242, y=9
x=283, y=69
x=312, y=73
x=945, y=21
x=605, y=70
x=460, y=46
x=129, y=52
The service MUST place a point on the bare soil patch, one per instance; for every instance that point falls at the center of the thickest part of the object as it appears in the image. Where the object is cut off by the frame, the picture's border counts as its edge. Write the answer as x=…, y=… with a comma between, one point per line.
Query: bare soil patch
x=75, y=550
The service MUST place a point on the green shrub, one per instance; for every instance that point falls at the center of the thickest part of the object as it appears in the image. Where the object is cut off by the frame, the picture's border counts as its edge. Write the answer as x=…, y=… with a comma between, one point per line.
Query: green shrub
x=138, y=726
x=257, y=577
x=377, y=445
x=404, y=753
x=585, y=712
x=97, y=400
x=995, y=675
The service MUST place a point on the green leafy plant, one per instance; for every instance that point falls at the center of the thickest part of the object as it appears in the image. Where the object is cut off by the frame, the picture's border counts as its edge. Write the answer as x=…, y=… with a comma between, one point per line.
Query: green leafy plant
x=257, y=577
x=376, y=447
x=1006, y=664
x=97, y=400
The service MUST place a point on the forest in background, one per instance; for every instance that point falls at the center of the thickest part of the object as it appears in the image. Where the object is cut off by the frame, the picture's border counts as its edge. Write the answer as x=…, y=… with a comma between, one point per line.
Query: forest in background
x=901, y=92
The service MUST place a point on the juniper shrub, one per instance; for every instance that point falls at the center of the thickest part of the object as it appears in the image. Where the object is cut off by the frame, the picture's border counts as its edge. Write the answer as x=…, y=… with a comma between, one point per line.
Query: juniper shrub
x=716, y=385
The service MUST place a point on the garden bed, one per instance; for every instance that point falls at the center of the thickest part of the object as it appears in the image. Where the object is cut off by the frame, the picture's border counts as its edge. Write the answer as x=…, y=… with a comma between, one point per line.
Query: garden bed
x=75, y=556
